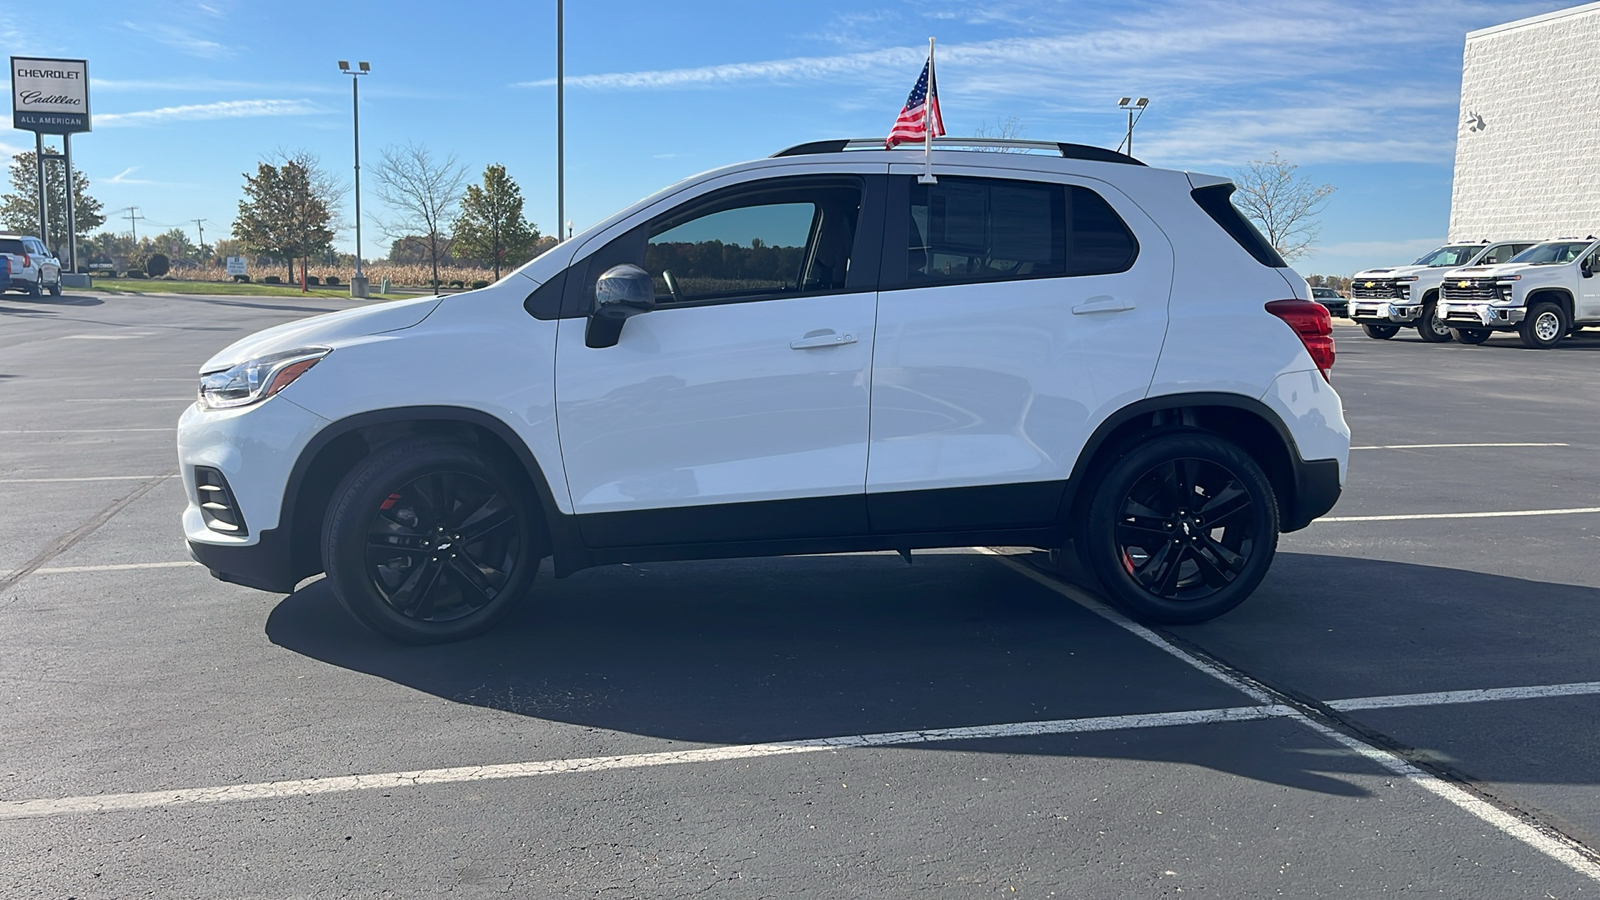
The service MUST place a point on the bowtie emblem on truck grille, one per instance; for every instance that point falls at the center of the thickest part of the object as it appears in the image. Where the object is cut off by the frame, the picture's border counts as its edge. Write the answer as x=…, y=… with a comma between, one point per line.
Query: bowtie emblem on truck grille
x=1462, y=284
x=1369, y=284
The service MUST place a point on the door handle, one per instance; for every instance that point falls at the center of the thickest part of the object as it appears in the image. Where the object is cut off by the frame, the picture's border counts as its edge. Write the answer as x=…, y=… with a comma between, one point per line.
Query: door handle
x=1101, y=304
x=822, y=339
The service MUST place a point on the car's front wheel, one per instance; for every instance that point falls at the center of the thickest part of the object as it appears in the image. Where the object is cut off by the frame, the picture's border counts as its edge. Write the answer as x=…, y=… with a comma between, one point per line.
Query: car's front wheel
x=1430, y=327
x=55, y=289
x=1181, y=529
x=428, y=542
x=1472, y=335
x=1380, y=332
x=1546, y=324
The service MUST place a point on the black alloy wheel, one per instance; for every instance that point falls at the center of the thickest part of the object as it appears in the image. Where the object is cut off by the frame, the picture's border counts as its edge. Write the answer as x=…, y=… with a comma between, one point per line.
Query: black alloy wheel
x=1430, y=327
x=429, y=542
x=1182, y=529
x=1472, y=335
x=1380, y=332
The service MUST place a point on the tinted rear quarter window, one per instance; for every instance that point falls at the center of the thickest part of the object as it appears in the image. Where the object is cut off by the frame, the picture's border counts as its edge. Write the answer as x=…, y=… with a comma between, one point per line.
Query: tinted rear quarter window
x=1215, y=200
x=972, y=229
x=12, y=245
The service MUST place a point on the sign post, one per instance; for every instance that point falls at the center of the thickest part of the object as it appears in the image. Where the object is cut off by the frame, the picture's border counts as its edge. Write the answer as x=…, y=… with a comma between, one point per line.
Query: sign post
x=51, y=96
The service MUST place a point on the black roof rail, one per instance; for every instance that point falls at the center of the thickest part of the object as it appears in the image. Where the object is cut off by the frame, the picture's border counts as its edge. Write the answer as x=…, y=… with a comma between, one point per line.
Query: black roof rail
x=1067, y=151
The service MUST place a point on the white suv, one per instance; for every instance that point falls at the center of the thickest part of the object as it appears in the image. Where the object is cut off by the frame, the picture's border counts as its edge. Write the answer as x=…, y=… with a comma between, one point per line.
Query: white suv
x=815, y=352
x=34, y=269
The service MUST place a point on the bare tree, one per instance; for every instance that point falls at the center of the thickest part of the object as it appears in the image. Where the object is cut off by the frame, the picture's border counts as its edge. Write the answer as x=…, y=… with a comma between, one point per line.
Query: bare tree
x=1281, y=203
x=1009, y=129
x=423, y=193
x=325, y=186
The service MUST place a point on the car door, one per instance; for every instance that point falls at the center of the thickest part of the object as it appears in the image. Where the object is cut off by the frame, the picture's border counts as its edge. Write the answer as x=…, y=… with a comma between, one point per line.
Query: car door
x=1015, y=315
x=1588, y=305
x=737, y=408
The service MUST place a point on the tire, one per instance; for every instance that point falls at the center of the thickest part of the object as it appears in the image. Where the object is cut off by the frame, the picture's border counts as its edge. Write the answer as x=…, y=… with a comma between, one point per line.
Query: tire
x=1546, y=324
x=1430, y=327
x=1221, y=555
x=1472, y=335
x=422, y=571
x=1380, y=332
x=35, y=291
x=55, y=289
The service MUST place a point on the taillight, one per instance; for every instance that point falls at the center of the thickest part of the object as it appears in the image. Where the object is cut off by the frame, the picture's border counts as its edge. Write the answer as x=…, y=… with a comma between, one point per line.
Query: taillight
x=1312, y=325
x=26, y=260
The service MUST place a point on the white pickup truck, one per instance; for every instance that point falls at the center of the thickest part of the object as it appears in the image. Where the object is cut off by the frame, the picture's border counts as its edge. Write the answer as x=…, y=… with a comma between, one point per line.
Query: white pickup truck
x=1544, y=294
x=1383, y=301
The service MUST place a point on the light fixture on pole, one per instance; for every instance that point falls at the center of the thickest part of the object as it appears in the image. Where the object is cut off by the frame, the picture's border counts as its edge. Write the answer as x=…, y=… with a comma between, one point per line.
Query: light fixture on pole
x=358, y=282
x=1132, y=105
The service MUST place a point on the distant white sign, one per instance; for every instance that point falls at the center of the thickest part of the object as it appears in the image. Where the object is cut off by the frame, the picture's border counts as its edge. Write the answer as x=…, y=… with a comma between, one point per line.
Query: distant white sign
x=236, y=266
x=49, y=96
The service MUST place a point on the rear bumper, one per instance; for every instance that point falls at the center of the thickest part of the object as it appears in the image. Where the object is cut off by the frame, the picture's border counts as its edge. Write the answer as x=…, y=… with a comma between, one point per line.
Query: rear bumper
x=1316, y=490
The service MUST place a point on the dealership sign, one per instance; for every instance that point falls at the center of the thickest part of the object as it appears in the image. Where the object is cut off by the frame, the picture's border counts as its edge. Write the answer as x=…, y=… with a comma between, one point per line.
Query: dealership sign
x=49, y=96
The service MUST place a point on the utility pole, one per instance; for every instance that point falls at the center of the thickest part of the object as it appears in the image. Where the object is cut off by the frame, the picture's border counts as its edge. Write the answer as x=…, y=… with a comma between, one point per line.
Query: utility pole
x=199, y=226
x=133, y=218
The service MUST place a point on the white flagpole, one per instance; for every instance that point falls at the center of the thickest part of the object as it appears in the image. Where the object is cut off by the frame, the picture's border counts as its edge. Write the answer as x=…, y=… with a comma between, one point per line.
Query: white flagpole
x=927, y=124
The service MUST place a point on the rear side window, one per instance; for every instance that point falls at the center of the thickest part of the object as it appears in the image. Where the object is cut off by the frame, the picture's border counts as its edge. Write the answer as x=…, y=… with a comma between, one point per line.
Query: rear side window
x=1215, y=201
x=972, y=229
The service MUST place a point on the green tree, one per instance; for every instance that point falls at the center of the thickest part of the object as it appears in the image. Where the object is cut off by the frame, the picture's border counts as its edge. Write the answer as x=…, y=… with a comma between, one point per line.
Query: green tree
x=175, y=244
x=491, y=229
x=19, y=210
x=282, y=215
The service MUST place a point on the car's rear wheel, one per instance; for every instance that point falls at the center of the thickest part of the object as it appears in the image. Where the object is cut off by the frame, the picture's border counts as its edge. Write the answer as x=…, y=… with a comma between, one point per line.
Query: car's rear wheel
x=1472, y=335
x=428, y=542
x=1544, y=327
x=1182, y=529
x=1430, y=327
x=1380, y=332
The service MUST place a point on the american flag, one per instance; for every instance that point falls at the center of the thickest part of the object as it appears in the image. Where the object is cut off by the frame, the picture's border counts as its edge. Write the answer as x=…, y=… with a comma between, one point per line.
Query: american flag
x=921, y=109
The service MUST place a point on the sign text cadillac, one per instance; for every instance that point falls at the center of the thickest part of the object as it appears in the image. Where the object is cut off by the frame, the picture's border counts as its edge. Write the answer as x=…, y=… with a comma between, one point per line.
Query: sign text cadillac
x=49, y=96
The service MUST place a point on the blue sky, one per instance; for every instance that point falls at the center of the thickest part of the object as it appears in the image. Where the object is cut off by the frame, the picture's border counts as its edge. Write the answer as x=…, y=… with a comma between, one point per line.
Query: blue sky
x=188, y=95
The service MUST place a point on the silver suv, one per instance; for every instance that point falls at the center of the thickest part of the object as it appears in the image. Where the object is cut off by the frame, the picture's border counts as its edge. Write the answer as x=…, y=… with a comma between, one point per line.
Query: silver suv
x=34, y=269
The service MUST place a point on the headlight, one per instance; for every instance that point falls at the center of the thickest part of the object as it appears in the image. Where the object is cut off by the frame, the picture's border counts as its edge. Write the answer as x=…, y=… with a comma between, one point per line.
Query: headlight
x=1407, y=279
x=256, y=379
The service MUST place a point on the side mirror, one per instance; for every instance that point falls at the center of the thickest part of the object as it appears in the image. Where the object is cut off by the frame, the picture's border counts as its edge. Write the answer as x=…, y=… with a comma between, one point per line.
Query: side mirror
x=620, y=293
x=1586, y=268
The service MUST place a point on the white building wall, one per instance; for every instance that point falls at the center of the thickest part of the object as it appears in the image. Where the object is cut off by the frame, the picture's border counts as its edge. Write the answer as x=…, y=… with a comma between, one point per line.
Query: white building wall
x=1528, y=145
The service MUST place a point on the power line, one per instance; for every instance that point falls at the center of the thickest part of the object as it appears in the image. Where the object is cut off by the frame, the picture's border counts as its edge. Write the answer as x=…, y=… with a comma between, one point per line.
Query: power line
x=133, y=218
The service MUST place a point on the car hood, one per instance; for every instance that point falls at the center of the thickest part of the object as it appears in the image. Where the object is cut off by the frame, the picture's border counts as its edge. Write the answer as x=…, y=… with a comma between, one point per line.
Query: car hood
x=325, y=331
x=1490, y=271
x=1389, y=272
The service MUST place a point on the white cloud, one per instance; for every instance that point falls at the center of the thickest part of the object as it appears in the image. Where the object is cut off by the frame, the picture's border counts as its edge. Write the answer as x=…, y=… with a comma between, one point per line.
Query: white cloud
x=182, y=39
x=227, y=109
x=122, y=177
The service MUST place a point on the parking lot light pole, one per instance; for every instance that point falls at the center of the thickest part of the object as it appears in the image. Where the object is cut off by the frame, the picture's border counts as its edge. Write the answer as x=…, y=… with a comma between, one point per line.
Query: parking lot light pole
x=358, y=282
x=1130, y=104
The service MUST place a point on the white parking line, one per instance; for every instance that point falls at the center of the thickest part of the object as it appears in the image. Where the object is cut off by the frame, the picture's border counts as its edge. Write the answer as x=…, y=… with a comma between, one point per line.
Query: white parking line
x=1446, y=698
x=130, y=400
x=26, y=809
x=115, y=567
x=1502, y=514
x=1557, y=846
x=1442, y=446
x=87, y=478
x=83, y=430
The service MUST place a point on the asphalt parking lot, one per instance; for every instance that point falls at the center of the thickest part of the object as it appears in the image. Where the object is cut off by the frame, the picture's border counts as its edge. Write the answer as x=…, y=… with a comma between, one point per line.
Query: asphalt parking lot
x=1409, y=705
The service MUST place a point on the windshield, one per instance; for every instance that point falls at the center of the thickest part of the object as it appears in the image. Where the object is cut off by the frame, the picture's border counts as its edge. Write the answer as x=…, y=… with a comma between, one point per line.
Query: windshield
x=1454, y=255
x=1554, y=253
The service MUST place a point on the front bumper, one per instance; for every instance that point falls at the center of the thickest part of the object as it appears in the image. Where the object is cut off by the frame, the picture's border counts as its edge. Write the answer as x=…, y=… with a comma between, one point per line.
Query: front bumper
x=1385, y=311
x=1480, y=315
x=255, y=449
